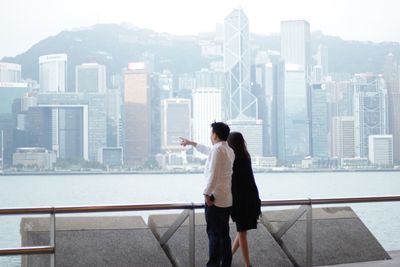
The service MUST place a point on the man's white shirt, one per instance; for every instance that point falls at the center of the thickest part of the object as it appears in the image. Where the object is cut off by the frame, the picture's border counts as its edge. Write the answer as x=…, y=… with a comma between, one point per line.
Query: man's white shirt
x=218, y=172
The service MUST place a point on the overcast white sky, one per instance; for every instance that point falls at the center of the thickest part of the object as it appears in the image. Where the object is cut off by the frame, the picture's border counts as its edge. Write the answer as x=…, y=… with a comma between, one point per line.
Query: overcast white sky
x=25, y=22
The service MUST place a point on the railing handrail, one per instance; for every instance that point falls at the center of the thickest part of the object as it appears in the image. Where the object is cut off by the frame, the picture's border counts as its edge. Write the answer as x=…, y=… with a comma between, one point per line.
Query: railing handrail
x=27, y=250
x=172, y=206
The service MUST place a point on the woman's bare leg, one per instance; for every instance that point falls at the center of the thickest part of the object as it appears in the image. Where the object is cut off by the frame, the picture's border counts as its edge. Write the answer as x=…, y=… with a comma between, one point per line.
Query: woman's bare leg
x=244, y=247
x=235, y=244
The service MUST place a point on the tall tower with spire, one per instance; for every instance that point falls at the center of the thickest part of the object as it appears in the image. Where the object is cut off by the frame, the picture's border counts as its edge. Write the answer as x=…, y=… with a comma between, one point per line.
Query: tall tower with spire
x=240, y=107
x=240, y=102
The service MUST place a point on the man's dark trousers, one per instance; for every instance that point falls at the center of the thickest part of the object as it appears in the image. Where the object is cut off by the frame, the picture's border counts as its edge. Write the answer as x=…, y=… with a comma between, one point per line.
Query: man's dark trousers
x=219, y=241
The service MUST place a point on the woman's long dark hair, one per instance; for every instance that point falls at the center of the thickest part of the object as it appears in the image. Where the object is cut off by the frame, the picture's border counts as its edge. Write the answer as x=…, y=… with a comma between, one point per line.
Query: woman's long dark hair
x=238, y=144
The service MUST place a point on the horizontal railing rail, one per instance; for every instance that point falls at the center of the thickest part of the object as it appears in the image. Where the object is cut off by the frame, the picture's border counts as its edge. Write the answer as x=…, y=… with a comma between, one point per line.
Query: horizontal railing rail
x=177, y=206
x=27, y=250
x=305, y=207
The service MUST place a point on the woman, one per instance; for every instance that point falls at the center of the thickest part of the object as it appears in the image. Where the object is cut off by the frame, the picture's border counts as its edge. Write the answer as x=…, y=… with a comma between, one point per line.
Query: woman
x=246, y=207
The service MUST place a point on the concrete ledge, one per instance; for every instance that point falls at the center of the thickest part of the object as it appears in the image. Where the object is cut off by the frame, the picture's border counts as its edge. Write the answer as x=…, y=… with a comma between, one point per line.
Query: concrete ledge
x=339, y=236
x=263, y=248
x=94, y=241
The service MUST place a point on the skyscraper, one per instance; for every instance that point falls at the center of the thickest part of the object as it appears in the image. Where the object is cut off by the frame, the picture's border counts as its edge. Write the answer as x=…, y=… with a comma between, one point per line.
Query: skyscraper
x=237, y=96
x=296, y=113
x=137, y=116
x=340, y=96
x=53, y=73
x=318, y=121
x=155, y=104
x=274, y=112
x=296, y=44
x=343, y=145
x=322, y=59
x=252, y=132
x=9, y=92
x=114, y=120
x=370, y=110
x=210, y=78
x=78, y=123
x=175, y=122
x=391, y=76
x=240, y=106
x=206, y=109
x=90, y=78
x=380, y=150
x=10, y=72
x=186, y=83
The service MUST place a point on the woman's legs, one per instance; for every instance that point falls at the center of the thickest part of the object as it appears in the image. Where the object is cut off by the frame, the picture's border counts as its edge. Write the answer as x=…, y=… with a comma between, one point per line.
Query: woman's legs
x=235, y=244
x=241, y=241
x=244, y=247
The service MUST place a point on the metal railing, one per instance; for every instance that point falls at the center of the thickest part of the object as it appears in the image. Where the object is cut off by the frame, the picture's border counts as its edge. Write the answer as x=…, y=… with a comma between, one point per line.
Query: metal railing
x=188, y=212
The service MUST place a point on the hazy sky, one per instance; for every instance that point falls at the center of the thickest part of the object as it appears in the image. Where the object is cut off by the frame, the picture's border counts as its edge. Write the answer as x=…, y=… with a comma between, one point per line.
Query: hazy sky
x=25, y=22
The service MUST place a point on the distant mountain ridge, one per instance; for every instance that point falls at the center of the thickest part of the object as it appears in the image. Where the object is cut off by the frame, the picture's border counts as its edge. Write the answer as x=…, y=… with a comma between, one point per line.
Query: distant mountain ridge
x=114, y=45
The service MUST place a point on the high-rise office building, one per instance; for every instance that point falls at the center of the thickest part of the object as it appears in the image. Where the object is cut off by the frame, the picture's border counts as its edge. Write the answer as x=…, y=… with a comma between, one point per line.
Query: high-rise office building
x=296, y=52
x=165, y=84
x=340, y=96
x=370, y=110
x=240, y=105
x=238, y=100
x=9, y=92
x=274, y=112
x=185, y=84
x=175, y=122
x=137, y=115
x=322, y=59
x=186, y=81
x=10, y=72
x=210, y=78
x=114, y=119
x=317, y=74
x=343, y=145
x=155, y=114
x=38, y=123
x=391, y=76
x=252, y=131
x=90, y=78
x=296, y=114
x=296, y=44
x=380, y=150
x=318, y=121
x=53, y=73
x=78, y=123
x=206, y=110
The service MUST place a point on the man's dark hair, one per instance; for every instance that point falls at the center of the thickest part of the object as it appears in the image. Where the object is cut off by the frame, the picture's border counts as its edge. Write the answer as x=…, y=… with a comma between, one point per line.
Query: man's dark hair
x=221, y=130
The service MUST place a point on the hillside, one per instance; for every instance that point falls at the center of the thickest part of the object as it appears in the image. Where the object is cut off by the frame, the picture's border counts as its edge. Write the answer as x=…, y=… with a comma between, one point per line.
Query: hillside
x=115, y=45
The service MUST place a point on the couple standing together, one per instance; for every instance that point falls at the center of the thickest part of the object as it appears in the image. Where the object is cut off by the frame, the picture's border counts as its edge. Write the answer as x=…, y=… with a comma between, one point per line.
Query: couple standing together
x=230, y=191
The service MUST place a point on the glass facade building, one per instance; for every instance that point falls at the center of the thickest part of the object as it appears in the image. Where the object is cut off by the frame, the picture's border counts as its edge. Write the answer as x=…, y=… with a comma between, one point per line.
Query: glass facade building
x=296, y=114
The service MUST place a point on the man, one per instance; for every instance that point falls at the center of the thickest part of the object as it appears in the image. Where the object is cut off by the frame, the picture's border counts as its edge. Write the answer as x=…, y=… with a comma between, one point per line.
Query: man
x=217, y=193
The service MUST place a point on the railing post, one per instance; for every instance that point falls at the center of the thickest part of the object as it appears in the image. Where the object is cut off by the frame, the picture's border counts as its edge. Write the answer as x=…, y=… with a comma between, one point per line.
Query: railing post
x=53, y=237
x=192, y=237
x=309, y=248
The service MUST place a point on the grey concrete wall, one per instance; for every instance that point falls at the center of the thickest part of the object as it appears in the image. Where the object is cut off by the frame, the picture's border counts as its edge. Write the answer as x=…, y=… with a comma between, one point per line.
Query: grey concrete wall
x=94, y=241
x=339, y=236
x=264, y=251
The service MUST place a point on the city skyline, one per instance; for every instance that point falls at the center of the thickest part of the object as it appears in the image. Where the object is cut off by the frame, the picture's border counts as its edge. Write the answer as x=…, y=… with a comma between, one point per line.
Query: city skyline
x=290, y=108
